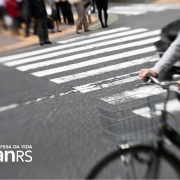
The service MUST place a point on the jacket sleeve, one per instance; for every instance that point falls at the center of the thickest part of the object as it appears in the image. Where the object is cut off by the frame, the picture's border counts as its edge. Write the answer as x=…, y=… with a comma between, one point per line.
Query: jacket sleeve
x=171, y=56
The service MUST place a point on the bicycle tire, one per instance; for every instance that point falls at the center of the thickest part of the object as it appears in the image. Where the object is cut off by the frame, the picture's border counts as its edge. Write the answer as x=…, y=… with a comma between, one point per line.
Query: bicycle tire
x=165, y=154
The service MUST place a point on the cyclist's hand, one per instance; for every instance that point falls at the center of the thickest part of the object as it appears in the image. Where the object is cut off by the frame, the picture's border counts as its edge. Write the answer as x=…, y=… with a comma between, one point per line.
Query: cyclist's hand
x=143, y=73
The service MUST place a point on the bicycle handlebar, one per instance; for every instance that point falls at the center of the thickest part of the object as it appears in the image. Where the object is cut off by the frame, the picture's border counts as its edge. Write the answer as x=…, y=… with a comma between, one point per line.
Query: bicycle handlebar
x=165, y=84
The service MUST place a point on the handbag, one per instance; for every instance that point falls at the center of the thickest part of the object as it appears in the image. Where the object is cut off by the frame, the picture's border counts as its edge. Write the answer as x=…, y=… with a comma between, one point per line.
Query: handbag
x=50, y=23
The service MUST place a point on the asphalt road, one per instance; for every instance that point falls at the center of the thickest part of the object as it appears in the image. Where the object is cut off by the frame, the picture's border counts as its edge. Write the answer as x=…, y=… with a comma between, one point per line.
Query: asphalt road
x=56, y=113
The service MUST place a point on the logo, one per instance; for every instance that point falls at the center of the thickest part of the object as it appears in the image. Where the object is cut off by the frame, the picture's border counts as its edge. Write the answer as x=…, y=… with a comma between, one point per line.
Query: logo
x=15, y=153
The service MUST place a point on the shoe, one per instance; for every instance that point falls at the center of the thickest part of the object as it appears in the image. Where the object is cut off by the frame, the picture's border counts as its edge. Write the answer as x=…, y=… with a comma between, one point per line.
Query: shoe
x=59, y=30
x=106, y=26
x=48, y=42
x=86, y=30
x=79, y=32
x=41, y=43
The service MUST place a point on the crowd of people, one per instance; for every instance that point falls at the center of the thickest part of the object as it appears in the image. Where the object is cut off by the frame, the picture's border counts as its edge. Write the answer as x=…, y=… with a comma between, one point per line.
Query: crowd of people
x=41, y=15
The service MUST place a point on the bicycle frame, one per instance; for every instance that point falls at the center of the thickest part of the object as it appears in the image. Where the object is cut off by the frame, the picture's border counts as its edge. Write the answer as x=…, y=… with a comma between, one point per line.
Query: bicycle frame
x=170, y=133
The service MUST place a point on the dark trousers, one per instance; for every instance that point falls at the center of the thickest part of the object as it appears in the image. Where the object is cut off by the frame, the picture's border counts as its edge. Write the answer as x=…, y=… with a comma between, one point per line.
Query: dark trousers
x=2, y=13
x=15, y=26
x=42, y=29
x=66, y=12
x=27, y=21
x=69, y=13
x=102, y=5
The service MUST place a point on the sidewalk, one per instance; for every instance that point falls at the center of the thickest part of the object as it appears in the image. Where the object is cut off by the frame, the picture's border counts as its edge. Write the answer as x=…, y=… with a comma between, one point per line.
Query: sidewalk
x=167, y=1
x=9, y=42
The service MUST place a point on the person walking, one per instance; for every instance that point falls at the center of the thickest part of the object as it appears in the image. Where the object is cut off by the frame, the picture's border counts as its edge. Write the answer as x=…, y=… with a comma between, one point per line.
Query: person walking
x=102, y=5
x=38, y=11
x=82, y=21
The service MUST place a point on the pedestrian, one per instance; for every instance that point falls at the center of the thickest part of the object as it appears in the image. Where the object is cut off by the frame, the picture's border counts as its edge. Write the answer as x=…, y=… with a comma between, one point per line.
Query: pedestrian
x=53, y=14
x=38, y=12
x=12, y=11
x=102, y=5
x=82, y=21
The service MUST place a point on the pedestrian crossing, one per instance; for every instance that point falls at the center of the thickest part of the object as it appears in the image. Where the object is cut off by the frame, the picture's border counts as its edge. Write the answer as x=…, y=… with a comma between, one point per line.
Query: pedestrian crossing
x=101, y=53
x=94, y=61
x=140, y=9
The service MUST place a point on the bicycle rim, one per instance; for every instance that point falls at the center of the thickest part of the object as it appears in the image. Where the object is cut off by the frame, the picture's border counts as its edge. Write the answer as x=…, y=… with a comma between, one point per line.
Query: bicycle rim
x=134, y=163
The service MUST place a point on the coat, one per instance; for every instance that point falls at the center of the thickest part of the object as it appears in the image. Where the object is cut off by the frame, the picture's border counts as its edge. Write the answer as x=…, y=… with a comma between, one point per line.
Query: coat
x=12, y=8
x=38, y=9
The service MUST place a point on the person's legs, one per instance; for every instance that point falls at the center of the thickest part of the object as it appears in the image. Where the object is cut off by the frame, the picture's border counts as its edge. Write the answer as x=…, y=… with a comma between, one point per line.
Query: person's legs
x=58, y=26
x=69, y=13
x=63, y=11
x=80, y=16
x=1, y=13
x=27, y=23
x=15, y=27
x=105, y=7
x=45, y=30
x=99, y=7
x=85, y=23
x=39, y=30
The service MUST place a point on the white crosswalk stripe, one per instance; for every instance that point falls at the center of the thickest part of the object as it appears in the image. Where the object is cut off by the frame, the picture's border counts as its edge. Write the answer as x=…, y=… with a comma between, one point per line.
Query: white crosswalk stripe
x=107, y=83
x=103, y=70
x=82, y=55
x=88, y=47
x=93, y=35
x=9, y=58
x=139, y=9
x=14, y=63
x=134, y=44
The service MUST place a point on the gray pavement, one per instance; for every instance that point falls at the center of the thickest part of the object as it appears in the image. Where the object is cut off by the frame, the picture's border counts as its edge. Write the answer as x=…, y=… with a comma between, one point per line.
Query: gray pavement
x=60, y=121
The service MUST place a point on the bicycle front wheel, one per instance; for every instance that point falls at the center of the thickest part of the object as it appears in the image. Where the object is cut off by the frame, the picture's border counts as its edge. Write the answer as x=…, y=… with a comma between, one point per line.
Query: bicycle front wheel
x=136, y=163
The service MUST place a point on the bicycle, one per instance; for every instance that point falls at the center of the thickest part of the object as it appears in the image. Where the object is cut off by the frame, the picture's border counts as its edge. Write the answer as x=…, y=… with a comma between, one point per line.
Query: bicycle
x=144, y=149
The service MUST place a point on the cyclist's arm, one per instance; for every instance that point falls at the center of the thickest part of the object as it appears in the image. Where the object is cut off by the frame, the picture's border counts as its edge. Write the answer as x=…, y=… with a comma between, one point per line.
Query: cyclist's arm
x=169, y=58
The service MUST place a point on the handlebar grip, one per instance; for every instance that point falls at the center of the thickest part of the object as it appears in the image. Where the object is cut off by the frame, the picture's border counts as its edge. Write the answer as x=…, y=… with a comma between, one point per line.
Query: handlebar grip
x=152, y=79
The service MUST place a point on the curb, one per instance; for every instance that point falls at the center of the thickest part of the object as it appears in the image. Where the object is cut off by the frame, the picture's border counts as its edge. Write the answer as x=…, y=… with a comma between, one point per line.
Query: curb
x=33, y=40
